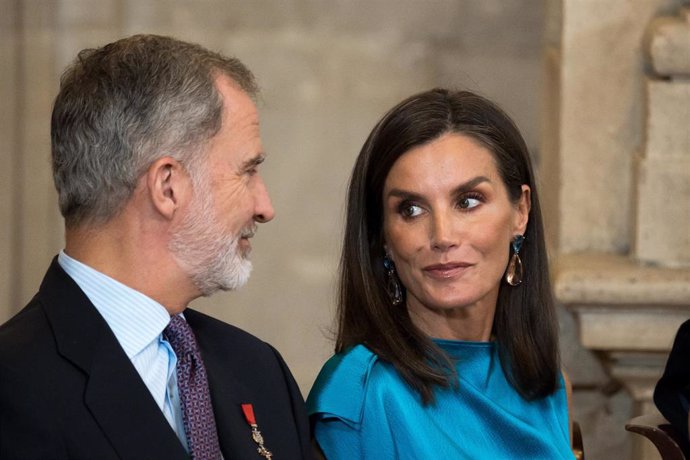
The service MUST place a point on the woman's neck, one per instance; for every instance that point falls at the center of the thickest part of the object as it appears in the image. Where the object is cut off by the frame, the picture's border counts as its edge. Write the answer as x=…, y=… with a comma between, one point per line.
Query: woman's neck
x=472, y=323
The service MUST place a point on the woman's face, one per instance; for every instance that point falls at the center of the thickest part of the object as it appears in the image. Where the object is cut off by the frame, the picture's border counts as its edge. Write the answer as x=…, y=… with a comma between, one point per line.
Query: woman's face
x=448, y=223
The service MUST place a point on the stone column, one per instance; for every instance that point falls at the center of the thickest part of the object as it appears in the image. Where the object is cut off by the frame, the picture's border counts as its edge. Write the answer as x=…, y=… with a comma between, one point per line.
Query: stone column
x=663, y=187
x=616, y=150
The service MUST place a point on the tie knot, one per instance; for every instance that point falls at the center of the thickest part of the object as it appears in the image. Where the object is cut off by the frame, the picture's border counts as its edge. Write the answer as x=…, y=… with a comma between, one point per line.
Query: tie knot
x=180, y=336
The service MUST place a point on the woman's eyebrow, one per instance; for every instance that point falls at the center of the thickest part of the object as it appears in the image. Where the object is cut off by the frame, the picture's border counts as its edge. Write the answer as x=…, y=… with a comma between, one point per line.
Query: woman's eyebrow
x=470, y=184
x=465, y=186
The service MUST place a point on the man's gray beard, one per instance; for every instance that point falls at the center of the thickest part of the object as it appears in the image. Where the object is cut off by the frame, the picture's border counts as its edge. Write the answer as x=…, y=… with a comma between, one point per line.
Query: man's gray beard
x=212, y=260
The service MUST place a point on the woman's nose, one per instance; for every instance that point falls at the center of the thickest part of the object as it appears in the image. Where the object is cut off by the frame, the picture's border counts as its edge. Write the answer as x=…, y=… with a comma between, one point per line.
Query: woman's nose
x=443, y=232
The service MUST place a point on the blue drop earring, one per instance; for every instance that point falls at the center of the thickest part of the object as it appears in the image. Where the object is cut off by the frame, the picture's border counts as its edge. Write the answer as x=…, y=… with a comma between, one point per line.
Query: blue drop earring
x=515, y=271
x=392, y=284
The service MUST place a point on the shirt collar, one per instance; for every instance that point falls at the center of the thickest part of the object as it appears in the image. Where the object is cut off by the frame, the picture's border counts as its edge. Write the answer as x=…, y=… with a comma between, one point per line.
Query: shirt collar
x=135, y=319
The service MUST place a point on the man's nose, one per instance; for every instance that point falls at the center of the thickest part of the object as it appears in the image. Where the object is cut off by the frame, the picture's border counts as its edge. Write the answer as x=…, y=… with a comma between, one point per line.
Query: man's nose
x=263, y=209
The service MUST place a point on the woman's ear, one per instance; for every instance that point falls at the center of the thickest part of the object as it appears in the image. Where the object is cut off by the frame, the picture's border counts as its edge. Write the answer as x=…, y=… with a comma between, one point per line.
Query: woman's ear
x=387, y=251
x=522, y=209
x=168, y=186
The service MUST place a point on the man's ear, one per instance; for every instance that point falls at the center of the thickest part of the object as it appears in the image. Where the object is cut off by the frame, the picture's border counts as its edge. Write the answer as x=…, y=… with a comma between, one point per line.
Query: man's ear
x=522, y=208
x=168, y=186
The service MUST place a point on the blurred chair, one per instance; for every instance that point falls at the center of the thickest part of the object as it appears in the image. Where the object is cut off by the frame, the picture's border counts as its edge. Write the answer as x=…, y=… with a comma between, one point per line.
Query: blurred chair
x=578, y=448
x=657, y=429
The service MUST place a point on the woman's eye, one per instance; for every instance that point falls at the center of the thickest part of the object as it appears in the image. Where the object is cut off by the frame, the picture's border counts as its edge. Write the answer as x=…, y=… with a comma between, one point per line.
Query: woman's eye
x=410, y=210
x=468, y=203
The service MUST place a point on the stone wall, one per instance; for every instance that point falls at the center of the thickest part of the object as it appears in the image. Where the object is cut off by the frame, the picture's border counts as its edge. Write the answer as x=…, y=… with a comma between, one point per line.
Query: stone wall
x=663, y=169
x=615, y=147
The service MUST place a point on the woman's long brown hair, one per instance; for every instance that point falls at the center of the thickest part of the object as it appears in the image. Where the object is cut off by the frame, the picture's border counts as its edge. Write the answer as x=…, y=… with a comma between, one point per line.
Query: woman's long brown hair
x=524, y=325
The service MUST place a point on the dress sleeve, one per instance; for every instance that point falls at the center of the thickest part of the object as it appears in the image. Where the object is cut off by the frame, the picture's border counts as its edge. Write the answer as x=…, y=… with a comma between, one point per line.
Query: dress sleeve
x=337, y=439
x=336, y=403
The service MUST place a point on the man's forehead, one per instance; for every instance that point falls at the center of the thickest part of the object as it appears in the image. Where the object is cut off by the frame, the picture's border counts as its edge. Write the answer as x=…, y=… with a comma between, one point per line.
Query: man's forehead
x=228, y=87
x=237, y=105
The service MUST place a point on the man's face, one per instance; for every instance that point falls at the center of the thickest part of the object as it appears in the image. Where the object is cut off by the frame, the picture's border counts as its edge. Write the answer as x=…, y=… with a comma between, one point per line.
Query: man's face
x=212, y=242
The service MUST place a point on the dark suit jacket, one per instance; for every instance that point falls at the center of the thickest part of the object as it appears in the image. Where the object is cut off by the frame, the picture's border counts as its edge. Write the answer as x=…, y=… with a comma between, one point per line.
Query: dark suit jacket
x=672, y=392
x=67, y=389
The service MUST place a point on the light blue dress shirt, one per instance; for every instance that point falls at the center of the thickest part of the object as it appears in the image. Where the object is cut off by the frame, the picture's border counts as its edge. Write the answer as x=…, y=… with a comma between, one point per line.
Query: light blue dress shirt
x=137, y=322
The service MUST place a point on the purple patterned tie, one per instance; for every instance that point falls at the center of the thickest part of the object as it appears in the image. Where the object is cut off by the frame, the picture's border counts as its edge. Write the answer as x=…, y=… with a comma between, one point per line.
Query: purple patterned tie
x=192, y=384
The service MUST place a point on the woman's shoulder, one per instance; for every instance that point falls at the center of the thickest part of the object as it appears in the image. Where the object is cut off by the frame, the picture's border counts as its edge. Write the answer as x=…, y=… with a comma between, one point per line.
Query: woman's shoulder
x=344, y=381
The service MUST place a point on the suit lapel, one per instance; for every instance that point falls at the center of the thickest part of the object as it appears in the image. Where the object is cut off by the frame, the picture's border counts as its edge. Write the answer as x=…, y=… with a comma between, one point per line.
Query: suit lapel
x=118, y=399
x=227, y=396
x=125, y=409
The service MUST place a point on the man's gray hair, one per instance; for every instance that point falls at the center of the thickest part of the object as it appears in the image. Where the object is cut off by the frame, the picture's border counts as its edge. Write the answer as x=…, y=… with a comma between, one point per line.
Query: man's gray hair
x=123, y=106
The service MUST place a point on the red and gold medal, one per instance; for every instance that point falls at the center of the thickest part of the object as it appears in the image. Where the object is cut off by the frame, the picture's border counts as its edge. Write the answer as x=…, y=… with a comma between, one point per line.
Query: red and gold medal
x=256, y=434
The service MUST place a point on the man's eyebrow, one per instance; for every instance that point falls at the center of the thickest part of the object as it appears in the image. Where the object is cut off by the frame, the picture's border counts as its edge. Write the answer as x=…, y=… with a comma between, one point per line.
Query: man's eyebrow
x=253, y=162
x=465, y=186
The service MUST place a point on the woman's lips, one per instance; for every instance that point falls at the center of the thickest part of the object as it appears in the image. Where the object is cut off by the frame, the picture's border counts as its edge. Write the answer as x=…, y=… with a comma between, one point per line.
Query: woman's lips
x=447, y=270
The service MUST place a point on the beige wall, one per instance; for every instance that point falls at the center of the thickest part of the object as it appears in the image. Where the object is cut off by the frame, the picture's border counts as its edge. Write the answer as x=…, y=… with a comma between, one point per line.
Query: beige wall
x=8, y=126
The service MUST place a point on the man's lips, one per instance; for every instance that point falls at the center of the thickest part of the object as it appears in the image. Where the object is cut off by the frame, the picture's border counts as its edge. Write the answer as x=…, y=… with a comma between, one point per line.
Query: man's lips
x=245, y=236
x=446, y=270
x=248, y=232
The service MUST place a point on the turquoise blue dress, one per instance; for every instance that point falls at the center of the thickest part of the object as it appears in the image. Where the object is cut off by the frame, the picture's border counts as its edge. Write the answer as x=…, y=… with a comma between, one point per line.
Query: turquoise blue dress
x=361, y=409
